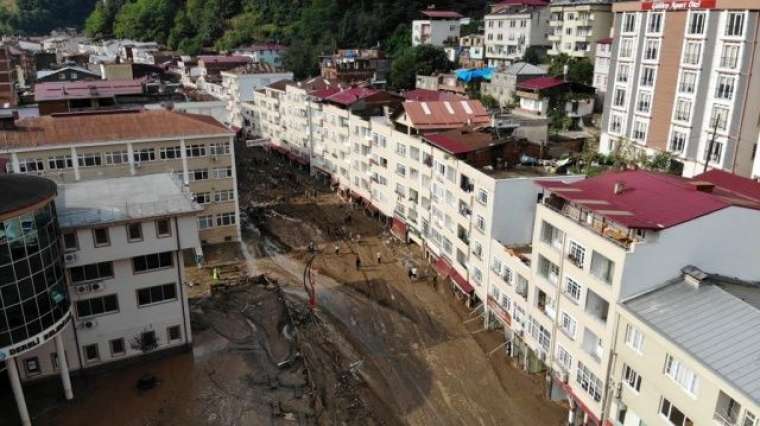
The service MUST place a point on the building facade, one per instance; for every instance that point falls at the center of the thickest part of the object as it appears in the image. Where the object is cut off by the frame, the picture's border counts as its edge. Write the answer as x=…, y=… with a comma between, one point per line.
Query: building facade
x=575, y=26
x=682, y=82
x=512, y=27
x=75, y=148
x=436, y=28
x=602, y=69
x=239, y=85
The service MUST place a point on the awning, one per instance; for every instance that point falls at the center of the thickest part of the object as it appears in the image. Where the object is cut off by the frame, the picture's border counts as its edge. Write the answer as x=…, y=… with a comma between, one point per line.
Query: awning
x=499, y=311
x=461, y=282
x=442, y=267
x=398, y=228
x=569, y=391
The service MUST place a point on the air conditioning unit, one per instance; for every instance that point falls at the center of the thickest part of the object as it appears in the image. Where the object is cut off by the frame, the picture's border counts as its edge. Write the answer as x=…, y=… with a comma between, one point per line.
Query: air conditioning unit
x=97, y=286
x=82, y=289
x=69, y=258
x=88, y=324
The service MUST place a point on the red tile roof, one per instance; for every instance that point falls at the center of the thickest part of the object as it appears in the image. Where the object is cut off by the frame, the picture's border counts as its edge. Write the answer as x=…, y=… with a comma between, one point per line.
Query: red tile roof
x=540, y=83
x=431, y=95
x=730, y=182
x=349, y=96
x=648, y=200
x=86, y=89
x=456, y=142
x=446, y=114
x=114, y=126
x=442, y=14
x=325, y=93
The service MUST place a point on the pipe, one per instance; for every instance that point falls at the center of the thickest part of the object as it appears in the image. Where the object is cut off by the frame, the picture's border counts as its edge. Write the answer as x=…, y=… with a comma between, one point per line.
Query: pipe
x=180, y=283
x=63, y=365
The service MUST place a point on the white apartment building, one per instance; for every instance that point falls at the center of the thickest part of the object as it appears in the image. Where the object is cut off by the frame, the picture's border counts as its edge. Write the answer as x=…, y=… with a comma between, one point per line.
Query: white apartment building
x=239, y=85
x=602, y=69
x=87, y=146
x=682, y=82
x=513, y=26
x=123, y=251
x=684, y=353
x=437, y=28
x=576, y=25
x=268, y=53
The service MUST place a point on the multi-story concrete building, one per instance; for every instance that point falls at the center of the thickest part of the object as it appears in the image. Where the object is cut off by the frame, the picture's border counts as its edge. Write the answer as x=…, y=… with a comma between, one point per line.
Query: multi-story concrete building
x=503, y=84
x=602, y=69
x=265, y=53
x=472, y=51
x=239, y=85
x=353, y=66
x=682, y=81
x=436, y=28
x=79, y=147
x=576, y=25
x=684, y=353
x=511, y=27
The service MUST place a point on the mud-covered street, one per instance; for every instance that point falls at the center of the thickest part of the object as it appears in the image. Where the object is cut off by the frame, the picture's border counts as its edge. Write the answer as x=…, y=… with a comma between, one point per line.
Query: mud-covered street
x=380, y=348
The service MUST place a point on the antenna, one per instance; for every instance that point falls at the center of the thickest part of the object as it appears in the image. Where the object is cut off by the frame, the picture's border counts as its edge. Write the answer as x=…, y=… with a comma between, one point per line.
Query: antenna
x=712, y=143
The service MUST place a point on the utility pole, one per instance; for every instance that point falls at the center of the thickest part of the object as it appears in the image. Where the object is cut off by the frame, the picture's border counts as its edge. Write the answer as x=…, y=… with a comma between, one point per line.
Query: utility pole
x=712, y=144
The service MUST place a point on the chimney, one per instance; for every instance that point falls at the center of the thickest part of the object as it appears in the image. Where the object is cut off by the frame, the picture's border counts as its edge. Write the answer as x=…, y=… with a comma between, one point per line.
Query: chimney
x=619, y=188
x=693, y=275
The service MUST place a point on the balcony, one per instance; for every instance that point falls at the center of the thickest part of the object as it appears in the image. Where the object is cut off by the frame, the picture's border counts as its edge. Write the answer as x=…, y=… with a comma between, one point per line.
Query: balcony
x=726, y=411
x=596, y=306
x=463, y=235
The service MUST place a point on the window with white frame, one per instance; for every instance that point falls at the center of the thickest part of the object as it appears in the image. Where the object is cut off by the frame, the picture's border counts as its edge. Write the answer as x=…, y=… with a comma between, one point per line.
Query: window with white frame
x=205, y=222
x=115, y=158
x=564, y=358
x=616, y=123
x=506, y=302
x=577, y=254
x=717, y=152
x=681, y=374
x=480, y=223
x=647, y=76
x=573, y=290
x=30, y=165
x=729, y=57
x=634, y=338
x=483, y=196
x=692, y=52
x=724, y=87
x=639, y=132
x=626, y=48
x=629, y=22
x=654, y=23
x=696, y=24
x=589, y=382
x=651, y=49
x=477, y=276
x=688, y=82
x=224, y=196
x=225, y=219
x=602, y=267
x=496, y=266
x=683, y=110
x=735, y=24
x=644, y=104
x=631, y=378
x=623, y=72
x=719, y=117
x=567, y=324
x=477, y=249
x=618, y=99
x=506, y=275
x=222, y=148
x=673, y=415
x=60, y=162
x=401, y=149
x=170, y=153
x=222, y=172
x=677, y=141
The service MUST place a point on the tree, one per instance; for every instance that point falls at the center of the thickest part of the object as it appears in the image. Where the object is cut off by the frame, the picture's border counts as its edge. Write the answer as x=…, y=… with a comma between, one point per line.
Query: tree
x=489, y=101
x=419, y=60
x=534, y=55
x=580, y=70
x=145, y=20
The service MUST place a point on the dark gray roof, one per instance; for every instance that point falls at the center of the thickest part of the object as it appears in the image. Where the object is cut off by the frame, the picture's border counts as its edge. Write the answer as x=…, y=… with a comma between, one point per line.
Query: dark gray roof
x=20, y=191
x=717, y=322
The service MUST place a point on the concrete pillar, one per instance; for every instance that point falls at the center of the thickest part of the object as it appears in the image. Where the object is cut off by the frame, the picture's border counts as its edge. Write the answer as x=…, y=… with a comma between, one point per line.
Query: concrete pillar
x=18, y=392
x=75, y=163
x=183, y=155
x=571, y=413
x=131, y=158
x=63, y=365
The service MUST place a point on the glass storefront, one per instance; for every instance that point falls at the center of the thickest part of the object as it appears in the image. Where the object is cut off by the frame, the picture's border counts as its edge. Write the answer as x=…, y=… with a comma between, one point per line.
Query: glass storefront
x=33, y=295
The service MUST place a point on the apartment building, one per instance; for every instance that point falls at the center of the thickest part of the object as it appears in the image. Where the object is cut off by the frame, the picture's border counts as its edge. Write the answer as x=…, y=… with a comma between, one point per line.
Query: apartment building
x=436, y=28
x=472, y=51
x=354, y=66
x=239, y=85
x=682, y=81
x=576, y=25
x=684, y=353
x=266, y=53
x=86, y=146
x=63, y=97
x=602, y=69
x=503, y=83
x=511, y=27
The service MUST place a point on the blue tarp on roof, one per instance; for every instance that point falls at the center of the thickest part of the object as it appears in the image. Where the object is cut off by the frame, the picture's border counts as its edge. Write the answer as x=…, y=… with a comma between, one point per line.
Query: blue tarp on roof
x=469, y=74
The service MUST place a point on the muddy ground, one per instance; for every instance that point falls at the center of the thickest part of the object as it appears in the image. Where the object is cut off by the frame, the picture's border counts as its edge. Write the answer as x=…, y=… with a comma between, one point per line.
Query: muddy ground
x=380, y=348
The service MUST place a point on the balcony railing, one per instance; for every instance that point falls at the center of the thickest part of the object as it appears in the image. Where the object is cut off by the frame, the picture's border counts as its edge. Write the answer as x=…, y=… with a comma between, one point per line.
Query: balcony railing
x=726, y=419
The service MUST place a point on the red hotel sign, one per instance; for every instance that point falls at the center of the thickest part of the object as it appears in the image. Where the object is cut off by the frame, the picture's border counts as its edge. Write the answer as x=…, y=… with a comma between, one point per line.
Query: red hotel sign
x=678, y=4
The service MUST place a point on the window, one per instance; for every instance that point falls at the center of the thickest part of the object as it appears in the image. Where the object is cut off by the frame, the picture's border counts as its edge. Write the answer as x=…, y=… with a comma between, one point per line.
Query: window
x=170, y=153
x=116, y=158
x=477, y=249
x=156, y=294
x=735, y=24
x=602, y=268
x=152, y=262
x=616, y=123
x=548, y=270
x=496, y=266
x=639, y=130
x=477, y=276
x=222, y=148
x=91, y=353
x=564, y=358
x=644, y=104
x=567, y=324
x=134, y=232
x=401, y=149
x=205, y=222
x=70, y=241
x=32, y=366
x=730, y=56
x=95, y=306
x=619, y=99
x=202, y=197
x=654, y=24
x=143, y=155
x=589, y=382
x=683, y=110
x=573, y=289
x=551, y=235
x=60, y=162
x=195, y=151
x=677, y=141
x=716, y=154
x=631, y=378
x=163, y=228
x=577, y=254
x=749, y=419
x=225, y=219
x=696, y=24
x=198, y=174
x=224, y=196
x=90, y=160
x=101, y=237
x=623, y=71
x=724, y=88
x=651, y=50
x=222, y=172
x=681, y=374
x=626, y=48
x=30, y=165
x=688, y=82
x=692, y=53
x=117, y=347
x=400, y=170
x=174, y=333
x=506, y=275
x=673, y=414
x=480, y=223
x=91, y=272
x=629, y=22
x=647, y=76
x=483, y=196
x=719, y=117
